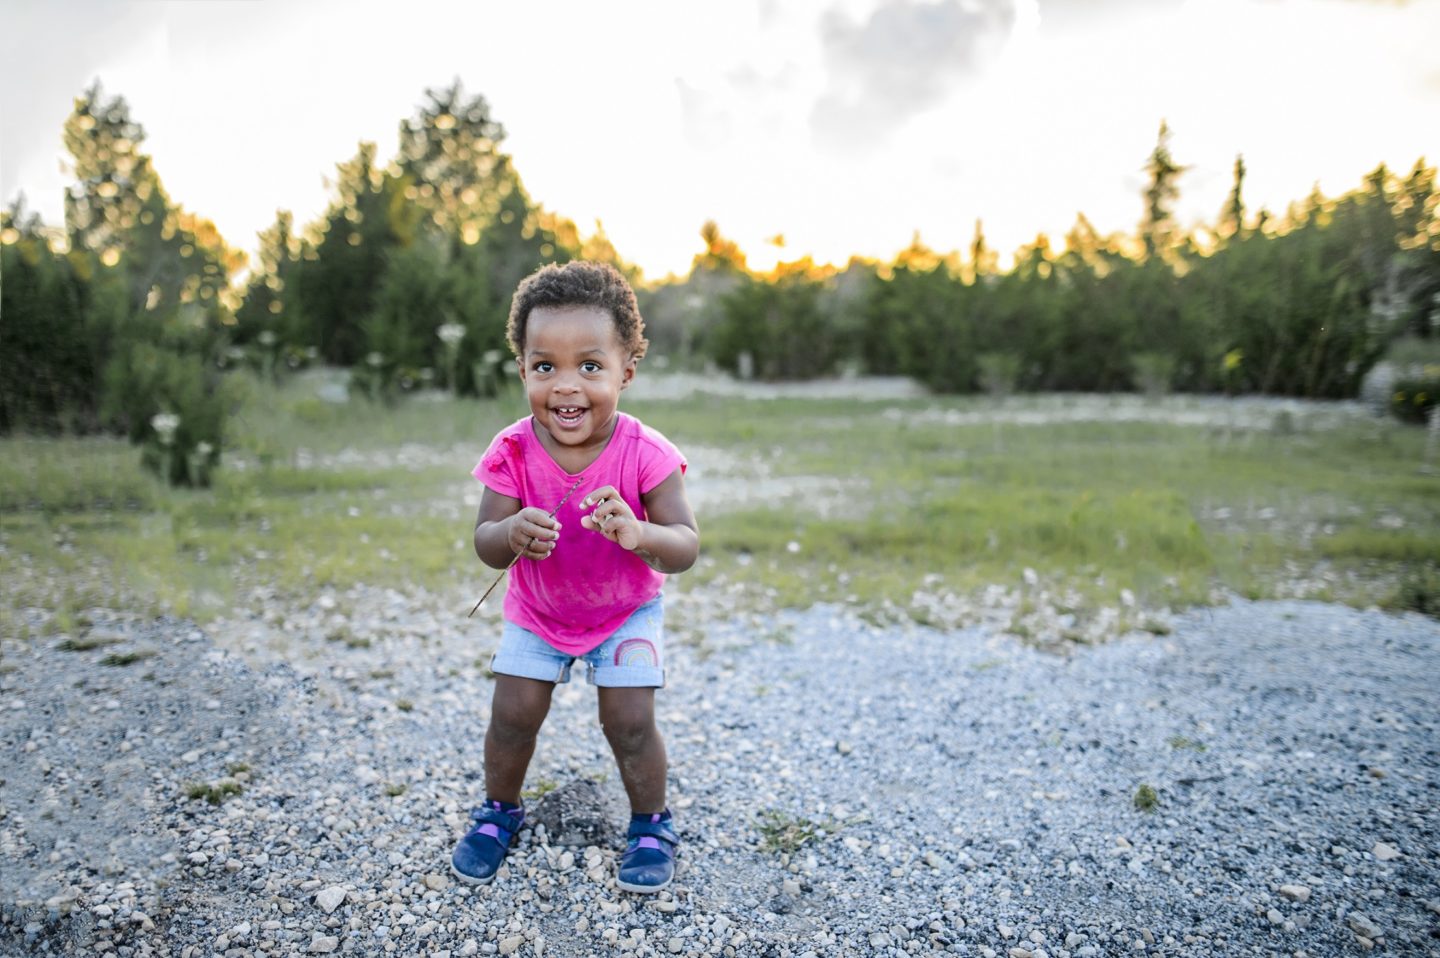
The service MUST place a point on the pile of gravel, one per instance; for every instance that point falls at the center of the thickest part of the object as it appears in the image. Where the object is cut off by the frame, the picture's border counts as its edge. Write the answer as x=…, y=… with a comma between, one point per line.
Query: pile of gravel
x=842, y=789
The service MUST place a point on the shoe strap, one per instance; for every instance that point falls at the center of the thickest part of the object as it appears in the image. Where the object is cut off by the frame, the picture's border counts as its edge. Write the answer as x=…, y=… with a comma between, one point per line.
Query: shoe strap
x=506, y=823
x=660, y=830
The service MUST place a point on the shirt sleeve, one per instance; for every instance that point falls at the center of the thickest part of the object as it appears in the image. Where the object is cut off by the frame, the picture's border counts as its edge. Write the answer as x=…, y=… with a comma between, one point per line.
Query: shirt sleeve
x=658, y=459
x=500, y=467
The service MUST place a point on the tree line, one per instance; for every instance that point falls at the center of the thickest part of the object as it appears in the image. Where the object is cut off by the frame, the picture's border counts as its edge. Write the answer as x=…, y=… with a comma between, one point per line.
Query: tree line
x=129, y=317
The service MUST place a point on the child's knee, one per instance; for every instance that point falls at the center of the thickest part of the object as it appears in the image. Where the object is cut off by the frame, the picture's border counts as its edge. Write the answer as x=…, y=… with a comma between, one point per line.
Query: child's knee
x=517, y=716
x=628, y=730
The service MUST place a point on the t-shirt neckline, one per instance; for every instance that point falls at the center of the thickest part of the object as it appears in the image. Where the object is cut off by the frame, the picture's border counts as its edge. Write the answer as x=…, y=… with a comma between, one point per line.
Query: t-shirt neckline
x=620, y=420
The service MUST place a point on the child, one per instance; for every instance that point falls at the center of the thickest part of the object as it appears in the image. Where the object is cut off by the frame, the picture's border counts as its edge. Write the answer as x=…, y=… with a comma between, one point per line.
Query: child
x=587, y=585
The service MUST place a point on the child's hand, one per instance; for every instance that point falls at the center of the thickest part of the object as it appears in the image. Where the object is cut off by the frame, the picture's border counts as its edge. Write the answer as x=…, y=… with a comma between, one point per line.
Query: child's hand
x=533, y=533
x=612, y=517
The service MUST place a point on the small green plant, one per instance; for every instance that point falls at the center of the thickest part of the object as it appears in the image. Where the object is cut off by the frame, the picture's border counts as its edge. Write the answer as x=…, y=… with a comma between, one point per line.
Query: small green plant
x=543, y=787
x=1178, y=742
x=404, y=705
x=85, y=643
x=379, y=674
x=1146, y=799
x=213, y=792
x=118, y=659
x=395, y=789
x=784, y=834
x=351, y=640
x=237, y=768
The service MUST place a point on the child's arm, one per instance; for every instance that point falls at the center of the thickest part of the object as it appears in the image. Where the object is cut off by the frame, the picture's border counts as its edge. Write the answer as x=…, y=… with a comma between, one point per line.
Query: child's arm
x=669, y=541
x=503, y=530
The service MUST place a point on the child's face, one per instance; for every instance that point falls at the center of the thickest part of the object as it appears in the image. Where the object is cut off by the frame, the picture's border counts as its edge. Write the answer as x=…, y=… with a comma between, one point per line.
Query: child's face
x=574, y=369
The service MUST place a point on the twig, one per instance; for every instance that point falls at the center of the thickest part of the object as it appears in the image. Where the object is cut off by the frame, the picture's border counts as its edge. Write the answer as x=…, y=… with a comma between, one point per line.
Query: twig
x=519, y=554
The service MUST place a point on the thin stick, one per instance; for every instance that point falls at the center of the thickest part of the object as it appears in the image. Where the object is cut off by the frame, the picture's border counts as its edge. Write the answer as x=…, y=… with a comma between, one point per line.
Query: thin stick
x=519, y=554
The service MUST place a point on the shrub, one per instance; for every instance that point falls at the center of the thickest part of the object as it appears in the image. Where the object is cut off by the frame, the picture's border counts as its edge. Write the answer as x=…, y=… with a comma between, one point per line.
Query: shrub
x=1154, y=372
x=999, y=372
x=1414, y=397
x=171, y=404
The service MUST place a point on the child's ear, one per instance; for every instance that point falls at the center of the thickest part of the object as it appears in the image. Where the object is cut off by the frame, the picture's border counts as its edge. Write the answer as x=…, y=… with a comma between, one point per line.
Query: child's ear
x=520, y=365
x=627, y=376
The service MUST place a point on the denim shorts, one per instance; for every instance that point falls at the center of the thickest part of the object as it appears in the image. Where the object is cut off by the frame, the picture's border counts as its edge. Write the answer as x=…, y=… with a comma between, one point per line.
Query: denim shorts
x=633, y=657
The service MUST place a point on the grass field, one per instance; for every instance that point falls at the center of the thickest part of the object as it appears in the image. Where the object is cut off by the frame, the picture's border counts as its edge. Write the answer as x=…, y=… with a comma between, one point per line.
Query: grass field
x=932, y=508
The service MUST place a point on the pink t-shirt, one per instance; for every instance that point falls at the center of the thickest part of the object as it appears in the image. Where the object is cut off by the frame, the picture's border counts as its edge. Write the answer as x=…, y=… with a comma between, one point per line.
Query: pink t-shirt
x=577, y=597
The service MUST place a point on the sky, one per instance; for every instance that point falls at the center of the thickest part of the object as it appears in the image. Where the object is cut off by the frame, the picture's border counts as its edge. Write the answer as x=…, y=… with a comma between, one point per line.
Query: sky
x=833, y=127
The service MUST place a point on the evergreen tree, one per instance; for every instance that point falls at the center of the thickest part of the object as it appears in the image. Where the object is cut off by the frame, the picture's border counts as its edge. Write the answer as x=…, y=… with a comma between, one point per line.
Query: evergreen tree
x=1157, y=228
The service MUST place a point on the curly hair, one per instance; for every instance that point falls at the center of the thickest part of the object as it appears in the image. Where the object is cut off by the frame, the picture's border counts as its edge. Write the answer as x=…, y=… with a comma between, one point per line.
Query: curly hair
x=578, y=283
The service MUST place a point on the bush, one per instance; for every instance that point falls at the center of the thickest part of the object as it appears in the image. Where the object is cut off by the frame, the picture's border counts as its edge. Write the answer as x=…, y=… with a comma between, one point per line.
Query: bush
x=1154, y=372
x=171, y=404
x=1414, y=397
x=999, y=372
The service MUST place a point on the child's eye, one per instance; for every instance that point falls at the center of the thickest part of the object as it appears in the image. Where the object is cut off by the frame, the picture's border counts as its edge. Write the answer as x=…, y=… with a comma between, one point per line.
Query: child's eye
x=543, y=367
x=590, y=367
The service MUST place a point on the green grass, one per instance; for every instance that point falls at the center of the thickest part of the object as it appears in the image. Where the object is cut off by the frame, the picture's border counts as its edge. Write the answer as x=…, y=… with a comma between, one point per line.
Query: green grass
x=332, y=496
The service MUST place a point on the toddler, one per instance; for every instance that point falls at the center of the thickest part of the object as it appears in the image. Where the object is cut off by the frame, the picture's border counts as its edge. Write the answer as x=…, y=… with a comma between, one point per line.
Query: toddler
x=593, y=503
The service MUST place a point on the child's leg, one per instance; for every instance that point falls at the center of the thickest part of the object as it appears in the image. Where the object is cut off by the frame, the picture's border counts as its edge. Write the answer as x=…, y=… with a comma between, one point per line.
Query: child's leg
x=628, y=717
x=517, y=711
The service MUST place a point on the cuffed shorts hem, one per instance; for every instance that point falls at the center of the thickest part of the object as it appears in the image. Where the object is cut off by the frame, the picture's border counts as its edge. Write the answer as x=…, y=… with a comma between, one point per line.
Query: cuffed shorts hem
x=633, y=657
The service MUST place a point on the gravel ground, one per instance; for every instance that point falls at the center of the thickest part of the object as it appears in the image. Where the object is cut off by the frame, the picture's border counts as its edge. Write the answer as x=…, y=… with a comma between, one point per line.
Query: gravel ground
x=842, y=788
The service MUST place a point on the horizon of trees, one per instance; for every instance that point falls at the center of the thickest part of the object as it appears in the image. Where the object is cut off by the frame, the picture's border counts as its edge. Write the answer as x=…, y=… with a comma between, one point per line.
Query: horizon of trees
x=406, y=279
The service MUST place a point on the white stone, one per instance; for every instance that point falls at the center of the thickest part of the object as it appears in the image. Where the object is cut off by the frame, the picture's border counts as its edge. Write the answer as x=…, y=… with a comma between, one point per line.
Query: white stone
x=324, y=944
x=1300, y=893
x=508, y=946
x=436, y=882
x=1364, y=926
x=1385, y=852
x=330, y=899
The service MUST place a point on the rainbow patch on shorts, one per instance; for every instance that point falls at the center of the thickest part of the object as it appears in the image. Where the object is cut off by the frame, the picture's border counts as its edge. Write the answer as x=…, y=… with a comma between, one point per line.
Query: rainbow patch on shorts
x=638, y=653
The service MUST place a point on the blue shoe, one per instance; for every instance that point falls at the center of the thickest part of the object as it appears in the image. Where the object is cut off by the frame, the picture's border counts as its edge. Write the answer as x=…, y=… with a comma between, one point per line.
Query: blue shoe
x=480, y=853
x=648, y=864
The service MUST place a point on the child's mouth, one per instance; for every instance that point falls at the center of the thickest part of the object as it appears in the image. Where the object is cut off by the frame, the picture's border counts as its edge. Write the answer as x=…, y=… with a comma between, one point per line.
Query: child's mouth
x=569, y=415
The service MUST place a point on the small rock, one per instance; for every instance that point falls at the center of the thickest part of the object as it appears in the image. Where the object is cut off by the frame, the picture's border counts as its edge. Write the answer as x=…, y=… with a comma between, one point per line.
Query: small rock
x=1005, y=930
x=790, y=888
x=934, y=860
x=436, y=882
x=1300, y=893
x=1385, y=852
x=1018, y=952
x=1274, y=917
x=330, y=899
x=508, y=946
x=1074, y=940
x=674, y=946
x=198, y=858
x=324, y=944
x=879, y=940
x=1363, y=926
x=844, y=748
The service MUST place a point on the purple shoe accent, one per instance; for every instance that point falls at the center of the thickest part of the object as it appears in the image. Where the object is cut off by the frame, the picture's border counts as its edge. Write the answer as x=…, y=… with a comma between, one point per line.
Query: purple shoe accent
x=647, y=842
x=490, y=830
